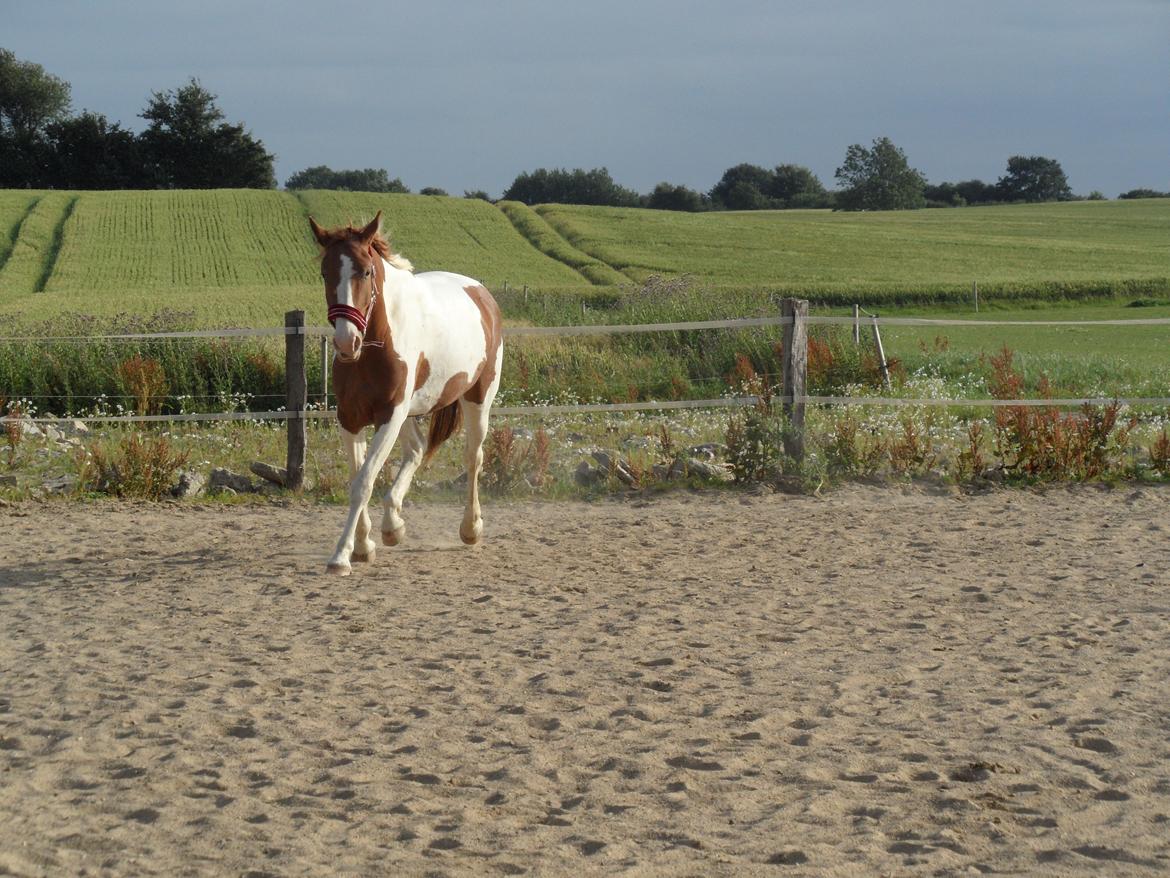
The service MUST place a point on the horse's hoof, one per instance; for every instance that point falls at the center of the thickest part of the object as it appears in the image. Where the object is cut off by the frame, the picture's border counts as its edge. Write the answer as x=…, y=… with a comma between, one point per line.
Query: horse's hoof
x=393, y=537
x=470, y=536
x=339, y=569
x=363, y=558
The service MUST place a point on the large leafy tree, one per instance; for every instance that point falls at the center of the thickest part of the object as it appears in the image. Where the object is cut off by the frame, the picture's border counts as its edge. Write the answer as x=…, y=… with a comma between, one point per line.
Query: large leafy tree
x=30, y=100
x=1033, y=178
x=879, y=178
x=743, y=187
x=797, y=186
x=189, y=146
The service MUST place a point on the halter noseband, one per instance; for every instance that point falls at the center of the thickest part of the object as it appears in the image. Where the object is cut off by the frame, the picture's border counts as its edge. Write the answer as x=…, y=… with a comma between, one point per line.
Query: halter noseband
x=352, y=314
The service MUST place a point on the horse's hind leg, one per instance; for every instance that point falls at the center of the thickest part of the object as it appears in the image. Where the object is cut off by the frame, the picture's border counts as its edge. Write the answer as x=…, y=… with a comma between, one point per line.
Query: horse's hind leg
x=413, y=447
x=475, y=421
x=355, y=448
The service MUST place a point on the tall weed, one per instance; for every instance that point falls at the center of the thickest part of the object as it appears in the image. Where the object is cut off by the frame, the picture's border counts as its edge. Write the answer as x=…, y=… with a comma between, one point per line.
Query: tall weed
x=1040, y=443
x=141, y=466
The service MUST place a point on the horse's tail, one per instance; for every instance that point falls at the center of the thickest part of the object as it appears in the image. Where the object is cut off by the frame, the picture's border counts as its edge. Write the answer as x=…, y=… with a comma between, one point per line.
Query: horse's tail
x=444, y=422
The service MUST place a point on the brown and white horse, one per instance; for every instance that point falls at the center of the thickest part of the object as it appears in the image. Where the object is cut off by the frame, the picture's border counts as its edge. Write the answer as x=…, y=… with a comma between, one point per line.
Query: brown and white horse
x=405, y=346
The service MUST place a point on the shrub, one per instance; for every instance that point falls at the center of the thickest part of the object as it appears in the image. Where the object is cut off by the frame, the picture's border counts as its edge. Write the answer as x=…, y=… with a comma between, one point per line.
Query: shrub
x=1040, y=443
x=12, y=431
x=141, y=466
x=509, y=465
x=755, y=441
x=850, y=451
x=144, y=380
x=1160, y=453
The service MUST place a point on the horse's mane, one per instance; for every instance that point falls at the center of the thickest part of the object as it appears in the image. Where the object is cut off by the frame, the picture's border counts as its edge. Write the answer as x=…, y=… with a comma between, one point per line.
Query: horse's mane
x=380, y=245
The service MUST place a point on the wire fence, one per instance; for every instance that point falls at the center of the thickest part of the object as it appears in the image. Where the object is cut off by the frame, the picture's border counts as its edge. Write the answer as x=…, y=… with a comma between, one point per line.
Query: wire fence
x=649, y=405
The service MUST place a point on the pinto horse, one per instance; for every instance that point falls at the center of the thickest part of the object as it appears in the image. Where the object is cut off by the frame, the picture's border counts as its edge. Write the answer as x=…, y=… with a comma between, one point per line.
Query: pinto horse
x=406, y=346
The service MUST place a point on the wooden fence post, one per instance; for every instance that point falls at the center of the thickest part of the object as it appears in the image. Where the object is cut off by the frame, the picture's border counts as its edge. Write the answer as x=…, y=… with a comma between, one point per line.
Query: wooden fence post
x=297, y=390
x=794, y=372
x=856, y=326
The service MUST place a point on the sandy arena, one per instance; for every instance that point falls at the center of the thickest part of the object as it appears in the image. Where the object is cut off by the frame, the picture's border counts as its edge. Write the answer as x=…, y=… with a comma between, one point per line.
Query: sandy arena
x=879, y=681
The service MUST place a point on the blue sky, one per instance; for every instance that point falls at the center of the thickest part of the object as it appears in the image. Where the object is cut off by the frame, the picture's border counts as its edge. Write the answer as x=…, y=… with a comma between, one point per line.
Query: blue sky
x=466, y=95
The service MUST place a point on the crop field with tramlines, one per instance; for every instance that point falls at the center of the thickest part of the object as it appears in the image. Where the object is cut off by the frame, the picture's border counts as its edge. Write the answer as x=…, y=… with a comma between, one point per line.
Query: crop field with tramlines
x=243, y=257
x=1025, y=251
x=230, y=257
x=468, y=236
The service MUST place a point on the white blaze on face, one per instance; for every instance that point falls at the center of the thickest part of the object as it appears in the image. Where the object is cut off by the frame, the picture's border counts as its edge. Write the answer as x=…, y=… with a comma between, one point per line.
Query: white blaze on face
x=345, y=334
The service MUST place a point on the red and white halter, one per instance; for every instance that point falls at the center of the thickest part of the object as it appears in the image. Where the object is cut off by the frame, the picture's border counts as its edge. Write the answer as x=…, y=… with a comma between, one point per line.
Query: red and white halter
x=352, y=314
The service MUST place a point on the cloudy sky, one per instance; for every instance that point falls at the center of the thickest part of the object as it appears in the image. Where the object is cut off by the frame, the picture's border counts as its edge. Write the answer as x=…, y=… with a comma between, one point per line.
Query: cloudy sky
x=466, y=94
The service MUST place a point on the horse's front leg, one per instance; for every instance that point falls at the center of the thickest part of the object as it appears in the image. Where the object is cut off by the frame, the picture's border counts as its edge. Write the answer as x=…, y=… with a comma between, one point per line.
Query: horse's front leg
x=363, y=486
x=355, y=450
x=414, y=446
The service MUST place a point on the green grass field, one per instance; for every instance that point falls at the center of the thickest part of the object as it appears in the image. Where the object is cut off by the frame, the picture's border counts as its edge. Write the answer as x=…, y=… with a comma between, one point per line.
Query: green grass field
x=243, y=257
x=1012, y=248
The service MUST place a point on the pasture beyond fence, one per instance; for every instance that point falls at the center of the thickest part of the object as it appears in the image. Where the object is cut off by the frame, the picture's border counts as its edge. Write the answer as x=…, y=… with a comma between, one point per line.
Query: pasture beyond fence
x=793, y=319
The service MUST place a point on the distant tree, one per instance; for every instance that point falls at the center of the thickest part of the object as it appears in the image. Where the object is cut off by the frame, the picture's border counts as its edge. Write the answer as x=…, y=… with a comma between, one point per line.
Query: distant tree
x=977, y=192
x=796, y=186
x=1143, y=193
x=879, y=178
x=476, y=193
x=87, y=152
x=366, y=180
x=189, y=146
x=743, y=187
x=1097, y=195
x=1033, y=178
x=943, y=195
x=578, y=186
x=30, y=100
x=432, y=190
x=667, y=196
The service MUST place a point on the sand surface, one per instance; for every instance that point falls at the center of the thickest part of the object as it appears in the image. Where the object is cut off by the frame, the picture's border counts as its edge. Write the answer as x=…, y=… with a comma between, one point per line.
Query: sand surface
x=873, y=682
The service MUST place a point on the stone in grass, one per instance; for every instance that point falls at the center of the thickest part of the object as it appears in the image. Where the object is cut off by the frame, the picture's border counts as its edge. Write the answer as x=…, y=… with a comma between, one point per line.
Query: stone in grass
x=73, y=428
x=788, y=858
x=61, y=485
x=226, y=479
x=8, y=480
x=709, y=470
x=26, y=427
x=587, y=475
x=190, y=484
x=618, y=467
x=275, y=474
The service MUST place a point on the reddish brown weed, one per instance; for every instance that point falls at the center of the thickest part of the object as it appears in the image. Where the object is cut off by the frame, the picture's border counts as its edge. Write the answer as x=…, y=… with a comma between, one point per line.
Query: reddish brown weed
x=1160, y=453
x=145, y=380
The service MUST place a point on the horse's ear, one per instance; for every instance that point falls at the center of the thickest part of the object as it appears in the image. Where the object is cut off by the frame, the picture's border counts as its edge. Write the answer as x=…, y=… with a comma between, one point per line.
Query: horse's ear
x=319, y=233
x=370, y=232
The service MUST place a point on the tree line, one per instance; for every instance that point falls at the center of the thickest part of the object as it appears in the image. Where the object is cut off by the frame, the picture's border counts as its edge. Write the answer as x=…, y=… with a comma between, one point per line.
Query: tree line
x=188, y=144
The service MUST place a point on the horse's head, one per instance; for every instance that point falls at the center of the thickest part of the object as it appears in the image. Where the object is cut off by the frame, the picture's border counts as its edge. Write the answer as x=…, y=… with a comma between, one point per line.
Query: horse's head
x=351, y=268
